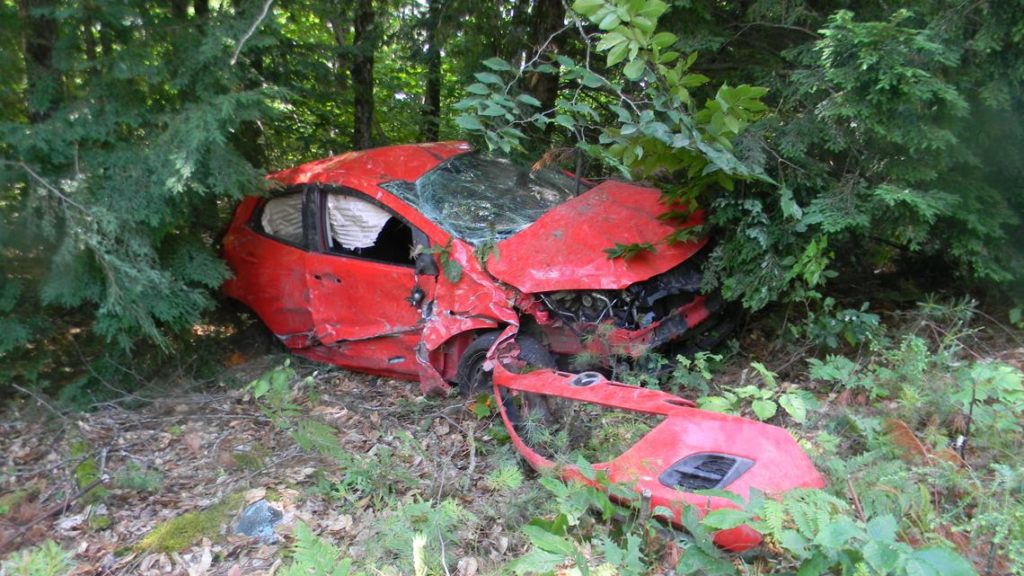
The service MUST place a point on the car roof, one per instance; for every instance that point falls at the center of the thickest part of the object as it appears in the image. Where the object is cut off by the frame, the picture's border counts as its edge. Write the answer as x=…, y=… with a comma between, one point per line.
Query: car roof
x=364, y=168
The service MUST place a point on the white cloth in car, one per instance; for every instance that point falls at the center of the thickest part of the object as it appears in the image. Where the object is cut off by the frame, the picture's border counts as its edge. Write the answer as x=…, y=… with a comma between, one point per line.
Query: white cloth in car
x=355, y=223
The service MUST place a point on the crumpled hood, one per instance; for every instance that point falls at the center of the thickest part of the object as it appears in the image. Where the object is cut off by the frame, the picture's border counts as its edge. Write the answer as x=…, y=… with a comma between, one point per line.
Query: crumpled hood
x=565, y=248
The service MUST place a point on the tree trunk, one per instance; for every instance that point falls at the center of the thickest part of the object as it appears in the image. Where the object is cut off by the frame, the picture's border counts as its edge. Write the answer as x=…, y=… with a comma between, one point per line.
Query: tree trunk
x=429, y=130
x=364, y=45
x=39, y=37
x=548, y=18
x=201, y=7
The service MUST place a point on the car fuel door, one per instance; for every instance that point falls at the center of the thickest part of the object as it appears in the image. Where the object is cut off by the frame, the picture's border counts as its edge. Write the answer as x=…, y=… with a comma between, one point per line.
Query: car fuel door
x=365, y=291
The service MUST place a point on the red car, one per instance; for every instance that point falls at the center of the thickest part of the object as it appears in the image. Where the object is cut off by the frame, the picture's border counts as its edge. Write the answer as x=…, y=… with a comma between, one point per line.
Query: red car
x=437, y=263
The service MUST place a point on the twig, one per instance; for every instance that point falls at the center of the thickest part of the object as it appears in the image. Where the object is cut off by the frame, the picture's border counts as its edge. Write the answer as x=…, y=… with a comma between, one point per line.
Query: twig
x=40, y=399
x=35, y=176
x=444, y=561
x=252, y=30
x=472, y=454
x=59, y=509
x=856, y=499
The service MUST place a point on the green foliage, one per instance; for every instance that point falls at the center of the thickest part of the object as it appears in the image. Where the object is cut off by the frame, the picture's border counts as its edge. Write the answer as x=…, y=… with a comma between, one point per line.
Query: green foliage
x=47, y=559
x=764, y=400
x=630, y=251
x=506, y=477
x=311, y=555
x=378, y=475
x=134, y=477
x=399, y=528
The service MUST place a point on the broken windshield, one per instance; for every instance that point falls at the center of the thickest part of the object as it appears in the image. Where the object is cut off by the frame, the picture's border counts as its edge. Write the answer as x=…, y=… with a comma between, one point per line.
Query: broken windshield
x=478, y=198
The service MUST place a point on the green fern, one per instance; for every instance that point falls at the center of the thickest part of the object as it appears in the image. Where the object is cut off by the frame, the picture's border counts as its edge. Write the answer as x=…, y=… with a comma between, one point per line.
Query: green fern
x=312, y=556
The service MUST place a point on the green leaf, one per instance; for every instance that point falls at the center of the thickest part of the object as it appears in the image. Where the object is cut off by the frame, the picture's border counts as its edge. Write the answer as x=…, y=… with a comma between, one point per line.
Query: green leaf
x=664, y=39
x=938, y=562
x=528, y=100
x=725, y=518
x=536, y=561
x=549, y=542
x=452, y=269
x=478, y=88
x=469, y=122
x=587, y=7
x=493, y=110
x=882, y=528
x=794, y=405
x=715, y=404
x=497, y=64
x=764, y=409
x=611, y=20
x=617, y=54
x=489, y=78
x=634, y=69
x=838, y=533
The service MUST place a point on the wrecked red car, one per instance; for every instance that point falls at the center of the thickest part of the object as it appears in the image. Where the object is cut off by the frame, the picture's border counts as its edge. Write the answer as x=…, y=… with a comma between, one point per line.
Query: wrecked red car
x=437, y=263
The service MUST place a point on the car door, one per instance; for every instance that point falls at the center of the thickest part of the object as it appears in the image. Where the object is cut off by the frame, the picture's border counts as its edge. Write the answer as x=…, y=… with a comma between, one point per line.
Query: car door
x=267, y=252
x=365, y=293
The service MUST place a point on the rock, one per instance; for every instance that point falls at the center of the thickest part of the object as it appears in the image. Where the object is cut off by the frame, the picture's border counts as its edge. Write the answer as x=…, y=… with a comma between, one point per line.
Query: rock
x=258, y=521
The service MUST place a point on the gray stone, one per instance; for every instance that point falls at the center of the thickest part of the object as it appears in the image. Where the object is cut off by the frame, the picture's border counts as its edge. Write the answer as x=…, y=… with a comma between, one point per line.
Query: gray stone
x=258, y=521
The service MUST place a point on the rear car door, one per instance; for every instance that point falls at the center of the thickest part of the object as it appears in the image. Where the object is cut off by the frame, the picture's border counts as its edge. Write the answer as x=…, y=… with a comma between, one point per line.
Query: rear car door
x=363, y=288
x=268, y=253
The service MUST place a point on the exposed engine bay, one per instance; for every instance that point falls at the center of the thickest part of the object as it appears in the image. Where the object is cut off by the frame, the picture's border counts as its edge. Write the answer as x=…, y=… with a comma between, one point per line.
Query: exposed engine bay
x=634, y=307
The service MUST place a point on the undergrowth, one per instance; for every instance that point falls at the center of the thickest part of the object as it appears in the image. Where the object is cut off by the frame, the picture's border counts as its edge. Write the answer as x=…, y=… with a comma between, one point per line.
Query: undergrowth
x=917, y=431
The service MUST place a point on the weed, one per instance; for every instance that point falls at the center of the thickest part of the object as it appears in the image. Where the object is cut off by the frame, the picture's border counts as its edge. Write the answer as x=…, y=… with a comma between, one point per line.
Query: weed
x=133, y=477
x=764, y=400
x=47, y=559
x=505, y=477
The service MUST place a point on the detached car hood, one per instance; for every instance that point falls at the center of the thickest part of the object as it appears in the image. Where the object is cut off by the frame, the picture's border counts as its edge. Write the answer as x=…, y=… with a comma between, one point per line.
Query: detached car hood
x=565, y=249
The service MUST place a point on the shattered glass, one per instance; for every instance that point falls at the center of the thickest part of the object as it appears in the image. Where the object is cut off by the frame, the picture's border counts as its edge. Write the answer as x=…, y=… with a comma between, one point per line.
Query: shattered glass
x=479, y=198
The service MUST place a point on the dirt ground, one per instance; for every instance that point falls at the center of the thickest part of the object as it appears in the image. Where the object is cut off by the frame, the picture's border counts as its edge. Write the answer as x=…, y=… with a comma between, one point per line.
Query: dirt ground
x=182, y=450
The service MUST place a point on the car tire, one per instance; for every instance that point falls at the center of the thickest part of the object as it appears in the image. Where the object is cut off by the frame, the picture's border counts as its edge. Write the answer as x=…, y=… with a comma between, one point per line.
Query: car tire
x=471, y=376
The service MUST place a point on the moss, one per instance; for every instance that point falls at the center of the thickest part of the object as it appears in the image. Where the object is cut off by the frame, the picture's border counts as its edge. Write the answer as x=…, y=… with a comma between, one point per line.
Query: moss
x=183, y=531
x=99, y=522
x=87, y=472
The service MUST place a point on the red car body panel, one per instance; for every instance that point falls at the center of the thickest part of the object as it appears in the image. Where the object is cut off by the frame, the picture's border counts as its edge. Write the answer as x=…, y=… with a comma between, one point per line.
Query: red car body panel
x=779, y=462
x=573, y=238
x=359, y=313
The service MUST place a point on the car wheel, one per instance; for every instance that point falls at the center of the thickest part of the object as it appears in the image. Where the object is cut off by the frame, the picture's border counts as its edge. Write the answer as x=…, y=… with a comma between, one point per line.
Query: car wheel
x=471, y=376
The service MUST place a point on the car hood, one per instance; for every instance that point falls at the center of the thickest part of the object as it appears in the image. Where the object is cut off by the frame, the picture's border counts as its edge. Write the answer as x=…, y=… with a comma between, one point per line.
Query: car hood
x=565, y=248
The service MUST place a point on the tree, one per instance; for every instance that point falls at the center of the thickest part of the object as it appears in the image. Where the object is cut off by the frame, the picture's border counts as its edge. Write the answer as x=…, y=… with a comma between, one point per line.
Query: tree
x=432, y=91
x=364, y=46
x=863, y=141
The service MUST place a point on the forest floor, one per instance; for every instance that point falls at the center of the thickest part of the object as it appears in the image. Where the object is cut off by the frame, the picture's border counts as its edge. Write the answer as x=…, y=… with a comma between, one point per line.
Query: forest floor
x=101, y=483
x=181, y=450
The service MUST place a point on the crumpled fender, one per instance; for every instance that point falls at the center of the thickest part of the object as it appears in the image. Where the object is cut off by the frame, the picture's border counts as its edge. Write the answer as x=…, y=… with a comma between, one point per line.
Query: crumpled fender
x=779, y=464
x=475, y=302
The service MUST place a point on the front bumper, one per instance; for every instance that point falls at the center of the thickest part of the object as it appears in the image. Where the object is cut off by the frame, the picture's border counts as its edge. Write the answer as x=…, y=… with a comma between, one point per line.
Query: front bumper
x=773, y=461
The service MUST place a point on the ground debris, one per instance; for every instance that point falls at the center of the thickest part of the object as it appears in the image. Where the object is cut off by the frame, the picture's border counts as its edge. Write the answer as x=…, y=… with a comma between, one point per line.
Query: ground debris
x=196, y=452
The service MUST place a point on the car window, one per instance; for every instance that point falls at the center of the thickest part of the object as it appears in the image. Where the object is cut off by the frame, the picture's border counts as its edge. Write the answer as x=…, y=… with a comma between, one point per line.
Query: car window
x=281, y=217
x=479, y=198
x=358, y=227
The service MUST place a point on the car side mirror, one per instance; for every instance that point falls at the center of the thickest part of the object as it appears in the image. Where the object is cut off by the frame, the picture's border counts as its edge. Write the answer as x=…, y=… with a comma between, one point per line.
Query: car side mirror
x=425, y=265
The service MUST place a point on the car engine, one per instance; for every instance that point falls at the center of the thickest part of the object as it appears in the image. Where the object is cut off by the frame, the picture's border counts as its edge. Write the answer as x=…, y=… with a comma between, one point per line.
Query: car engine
x=634, y=307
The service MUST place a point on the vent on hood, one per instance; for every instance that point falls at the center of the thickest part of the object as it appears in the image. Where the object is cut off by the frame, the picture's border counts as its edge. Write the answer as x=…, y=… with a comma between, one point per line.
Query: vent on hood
x=705, y=471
